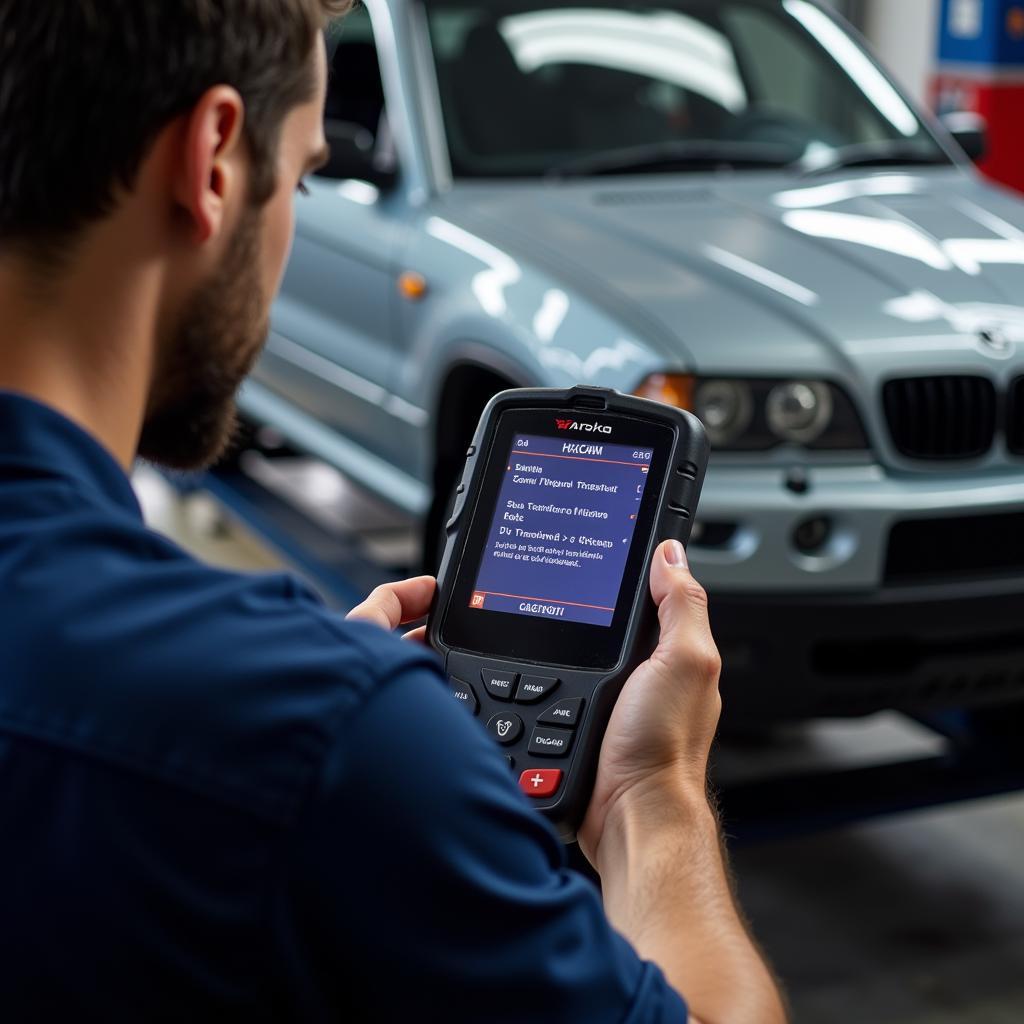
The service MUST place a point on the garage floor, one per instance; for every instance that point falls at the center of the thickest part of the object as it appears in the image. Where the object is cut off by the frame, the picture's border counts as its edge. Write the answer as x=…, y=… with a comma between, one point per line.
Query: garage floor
x=914, y=920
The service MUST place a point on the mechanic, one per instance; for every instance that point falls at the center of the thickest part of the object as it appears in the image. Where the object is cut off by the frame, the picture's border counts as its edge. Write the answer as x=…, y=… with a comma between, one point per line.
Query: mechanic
x=218, y=800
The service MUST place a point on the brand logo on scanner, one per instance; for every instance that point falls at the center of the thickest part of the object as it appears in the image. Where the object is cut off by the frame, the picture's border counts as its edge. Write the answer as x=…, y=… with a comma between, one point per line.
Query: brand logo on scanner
x=590, y=428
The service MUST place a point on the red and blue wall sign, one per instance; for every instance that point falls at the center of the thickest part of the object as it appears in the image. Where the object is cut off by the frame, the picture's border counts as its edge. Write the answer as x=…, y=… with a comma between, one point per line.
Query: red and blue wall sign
x=981, y=69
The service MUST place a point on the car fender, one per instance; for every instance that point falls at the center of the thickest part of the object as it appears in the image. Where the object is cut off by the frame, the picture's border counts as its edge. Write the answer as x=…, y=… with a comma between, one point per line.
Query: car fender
x=488, y=306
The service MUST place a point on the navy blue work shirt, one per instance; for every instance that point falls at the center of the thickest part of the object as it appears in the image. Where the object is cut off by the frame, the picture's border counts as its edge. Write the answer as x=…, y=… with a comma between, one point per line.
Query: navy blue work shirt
x=220, y=801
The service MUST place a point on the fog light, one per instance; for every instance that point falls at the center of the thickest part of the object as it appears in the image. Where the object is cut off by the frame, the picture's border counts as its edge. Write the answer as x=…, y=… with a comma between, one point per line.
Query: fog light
x=812, y=535
x=713, y=534
x=799, y=411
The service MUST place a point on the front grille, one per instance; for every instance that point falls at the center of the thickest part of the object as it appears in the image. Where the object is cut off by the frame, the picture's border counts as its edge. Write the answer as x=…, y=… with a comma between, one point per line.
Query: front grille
x=1015, y=418
x=978, y=547
x=941, y=417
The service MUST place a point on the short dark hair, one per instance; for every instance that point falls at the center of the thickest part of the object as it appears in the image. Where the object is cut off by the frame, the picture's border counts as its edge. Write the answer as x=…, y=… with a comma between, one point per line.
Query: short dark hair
x=87, y=85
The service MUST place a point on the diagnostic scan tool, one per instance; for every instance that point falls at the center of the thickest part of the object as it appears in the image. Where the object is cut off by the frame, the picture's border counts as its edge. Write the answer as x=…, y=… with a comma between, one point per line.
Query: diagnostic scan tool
x=543, y=607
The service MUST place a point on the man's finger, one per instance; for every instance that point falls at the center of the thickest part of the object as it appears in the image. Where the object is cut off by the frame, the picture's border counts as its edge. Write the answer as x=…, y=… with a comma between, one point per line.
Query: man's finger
x=416, y=636
x=393, y=604
x=682, y=603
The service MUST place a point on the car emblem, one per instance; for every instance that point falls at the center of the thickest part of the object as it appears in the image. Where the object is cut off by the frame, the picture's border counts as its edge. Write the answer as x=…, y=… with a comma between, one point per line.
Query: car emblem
x=995, y=340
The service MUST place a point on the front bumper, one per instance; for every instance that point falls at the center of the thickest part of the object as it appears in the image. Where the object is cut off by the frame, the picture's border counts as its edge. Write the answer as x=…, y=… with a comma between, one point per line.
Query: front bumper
x=914, y=649
x=863, y=505
x=915, y=601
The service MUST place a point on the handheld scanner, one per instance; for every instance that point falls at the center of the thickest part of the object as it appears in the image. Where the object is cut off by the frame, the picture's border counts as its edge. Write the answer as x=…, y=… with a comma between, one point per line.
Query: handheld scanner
x=543, y=607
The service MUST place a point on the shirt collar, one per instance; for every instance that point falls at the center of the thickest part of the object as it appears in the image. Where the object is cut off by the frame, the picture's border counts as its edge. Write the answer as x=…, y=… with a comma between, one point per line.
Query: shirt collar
x=37, y=439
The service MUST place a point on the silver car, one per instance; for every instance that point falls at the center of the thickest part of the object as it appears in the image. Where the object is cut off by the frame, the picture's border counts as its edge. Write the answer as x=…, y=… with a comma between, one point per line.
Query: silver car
x=726, y=205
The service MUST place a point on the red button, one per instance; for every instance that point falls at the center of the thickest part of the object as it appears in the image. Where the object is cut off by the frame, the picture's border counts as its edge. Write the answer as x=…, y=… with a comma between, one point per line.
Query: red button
x=540, y=782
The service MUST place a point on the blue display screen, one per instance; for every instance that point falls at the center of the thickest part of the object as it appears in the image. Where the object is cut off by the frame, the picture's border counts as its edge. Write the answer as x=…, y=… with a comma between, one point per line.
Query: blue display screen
x=562, y=528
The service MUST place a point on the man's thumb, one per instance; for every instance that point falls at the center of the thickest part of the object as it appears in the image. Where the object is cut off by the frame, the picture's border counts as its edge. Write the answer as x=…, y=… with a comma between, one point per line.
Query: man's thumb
x=681, y=600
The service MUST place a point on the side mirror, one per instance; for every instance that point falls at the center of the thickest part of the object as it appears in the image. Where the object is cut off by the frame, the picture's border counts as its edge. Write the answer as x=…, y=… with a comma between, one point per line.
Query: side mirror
x=353, y=156
x=970, y=131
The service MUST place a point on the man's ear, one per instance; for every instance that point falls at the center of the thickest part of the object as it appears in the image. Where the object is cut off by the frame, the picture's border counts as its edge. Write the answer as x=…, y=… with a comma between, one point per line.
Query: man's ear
x=210, y=173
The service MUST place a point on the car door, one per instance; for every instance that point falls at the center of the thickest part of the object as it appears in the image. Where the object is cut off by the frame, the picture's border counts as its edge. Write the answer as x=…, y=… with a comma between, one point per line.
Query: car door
x=331, y=349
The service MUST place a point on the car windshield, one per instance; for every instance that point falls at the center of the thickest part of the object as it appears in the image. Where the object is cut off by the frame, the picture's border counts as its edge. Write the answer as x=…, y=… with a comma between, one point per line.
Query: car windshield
x=562, y=90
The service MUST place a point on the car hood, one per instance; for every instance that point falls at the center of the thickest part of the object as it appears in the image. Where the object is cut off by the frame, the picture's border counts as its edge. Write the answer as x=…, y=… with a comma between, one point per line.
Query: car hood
x=802, y=272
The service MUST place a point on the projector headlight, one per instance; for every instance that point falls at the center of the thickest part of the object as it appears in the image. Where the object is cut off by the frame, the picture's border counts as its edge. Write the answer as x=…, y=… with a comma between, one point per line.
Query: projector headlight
x=799, y=411
x=725, y=407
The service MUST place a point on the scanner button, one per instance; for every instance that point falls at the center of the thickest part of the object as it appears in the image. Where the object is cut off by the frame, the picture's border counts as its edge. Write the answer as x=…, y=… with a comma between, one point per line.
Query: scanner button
x=533, y=688
x=499, y=684
x=540, y=782
x=464, y=694
x=550, y=742
x=564, y=712
x=505, y=728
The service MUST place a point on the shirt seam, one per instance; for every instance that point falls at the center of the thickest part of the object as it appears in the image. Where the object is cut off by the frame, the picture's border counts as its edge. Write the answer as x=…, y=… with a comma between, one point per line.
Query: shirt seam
x=281, y=810
x=277, y=869
x=274, y=811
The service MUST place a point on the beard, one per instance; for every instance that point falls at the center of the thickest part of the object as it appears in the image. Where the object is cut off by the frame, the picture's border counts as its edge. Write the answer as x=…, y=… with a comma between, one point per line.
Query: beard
x=192, y=419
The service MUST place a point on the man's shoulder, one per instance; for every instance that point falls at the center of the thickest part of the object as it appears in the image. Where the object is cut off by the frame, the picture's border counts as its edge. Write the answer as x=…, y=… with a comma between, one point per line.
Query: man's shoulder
x=128, y=650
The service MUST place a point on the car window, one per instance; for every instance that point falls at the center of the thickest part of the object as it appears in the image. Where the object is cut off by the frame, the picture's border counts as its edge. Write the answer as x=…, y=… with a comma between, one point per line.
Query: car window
x=355, y=91
x=791, y=76
x=778, y=66
x=528, y=88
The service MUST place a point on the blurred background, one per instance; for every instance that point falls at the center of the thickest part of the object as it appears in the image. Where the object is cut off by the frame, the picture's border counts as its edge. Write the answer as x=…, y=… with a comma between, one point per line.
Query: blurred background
x=742, y=214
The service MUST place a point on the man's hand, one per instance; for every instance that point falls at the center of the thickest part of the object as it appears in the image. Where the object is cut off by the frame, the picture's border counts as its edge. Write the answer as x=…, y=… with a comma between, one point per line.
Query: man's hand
x=650, y=830
x=662, y=727
x=394, y=604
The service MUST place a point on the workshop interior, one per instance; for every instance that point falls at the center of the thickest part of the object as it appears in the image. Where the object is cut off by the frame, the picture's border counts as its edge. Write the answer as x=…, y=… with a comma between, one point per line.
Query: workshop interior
x=579, y=278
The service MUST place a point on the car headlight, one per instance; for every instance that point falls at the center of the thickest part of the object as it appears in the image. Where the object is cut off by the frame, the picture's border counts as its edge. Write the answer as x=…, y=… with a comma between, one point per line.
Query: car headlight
x=756, y=415
x=799, y=410
x=725, y=407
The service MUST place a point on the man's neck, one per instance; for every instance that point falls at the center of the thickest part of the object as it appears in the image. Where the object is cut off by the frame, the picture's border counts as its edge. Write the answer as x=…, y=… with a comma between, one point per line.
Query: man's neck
x=82, y=342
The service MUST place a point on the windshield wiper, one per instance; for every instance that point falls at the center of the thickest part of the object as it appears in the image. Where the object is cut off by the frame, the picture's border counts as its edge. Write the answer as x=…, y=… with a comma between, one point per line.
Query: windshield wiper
x=676, y=155
x=876, y=154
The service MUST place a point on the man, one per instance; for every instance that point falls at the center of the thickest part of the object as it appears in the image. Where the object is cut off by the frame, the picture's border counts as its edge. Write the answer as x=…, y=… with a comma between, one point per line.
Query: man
x=218, y=800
